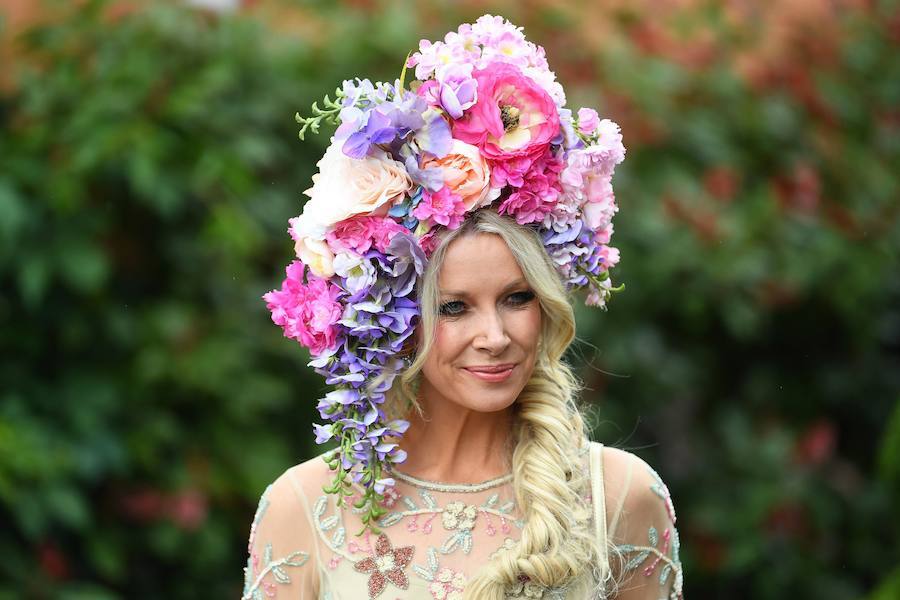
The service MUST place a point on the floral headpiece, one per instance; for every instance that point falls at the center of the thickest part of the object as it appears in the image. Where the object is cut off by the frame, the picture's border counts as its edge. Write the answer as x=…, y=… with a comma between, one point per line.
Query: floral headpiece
x=483, y=124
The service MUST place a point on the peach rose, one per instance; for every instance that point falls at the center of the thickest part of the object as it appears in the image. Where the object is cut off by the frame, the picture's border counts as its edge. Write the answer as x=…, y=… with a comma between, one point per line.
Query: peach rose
x=466, y=173
x=346, y=186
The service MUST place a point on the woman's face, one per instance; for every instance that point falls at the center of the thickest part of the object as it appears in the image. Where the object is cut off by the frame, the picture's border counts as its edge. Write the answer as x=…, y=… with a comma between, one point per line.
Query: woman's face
x=488, y=327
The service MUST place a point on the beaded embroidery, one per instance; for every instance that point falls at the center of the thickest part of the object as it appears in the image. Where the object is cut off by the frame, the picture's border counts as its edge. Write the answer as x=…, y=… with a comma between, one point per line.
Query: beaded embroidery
x=669, y=540
x=387, y=565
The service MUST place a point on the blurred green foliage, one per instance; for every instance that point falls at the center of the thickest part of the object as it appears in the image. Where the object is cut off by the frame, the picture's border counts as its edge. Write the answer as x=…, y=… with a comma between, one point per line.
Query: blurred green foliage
x=150, y=164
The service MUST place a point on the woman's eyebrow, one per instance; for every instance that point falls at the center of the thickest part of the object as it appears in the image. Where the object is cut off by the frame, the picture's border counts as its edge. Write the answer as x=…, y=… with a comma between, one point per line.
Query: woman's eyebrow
x=510, y=286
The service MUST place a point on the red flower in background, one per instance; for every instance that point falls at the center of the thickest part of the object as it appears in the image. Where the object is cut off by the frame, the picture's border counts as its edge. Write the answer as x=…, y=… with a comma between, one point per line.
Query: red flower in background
x=52, y=561
x=817, y=444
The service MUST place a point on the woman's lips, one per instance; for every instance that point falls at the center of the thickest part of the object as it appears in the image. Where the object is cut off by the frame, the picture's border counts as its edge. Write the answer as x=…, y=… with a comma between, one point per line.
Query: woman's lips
x=492, y=373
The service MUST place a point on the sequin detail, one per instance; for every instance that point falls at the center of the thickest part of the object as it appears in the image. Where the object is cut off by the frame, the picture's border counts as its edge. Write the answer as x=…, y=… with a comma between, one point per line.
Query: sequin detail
x=387, y=565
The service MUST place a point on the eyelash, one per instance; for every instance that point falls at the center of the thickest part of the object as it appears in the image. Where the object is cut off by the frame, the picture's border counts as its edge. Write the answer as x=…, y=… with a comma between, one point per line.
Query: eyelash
x=454, y=308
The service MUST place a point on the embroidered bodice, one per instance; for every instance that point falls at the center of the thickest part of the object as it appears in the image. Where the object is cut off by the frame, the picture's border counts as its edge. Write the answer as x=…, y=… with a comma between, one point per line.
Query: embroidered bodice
x=435, y=536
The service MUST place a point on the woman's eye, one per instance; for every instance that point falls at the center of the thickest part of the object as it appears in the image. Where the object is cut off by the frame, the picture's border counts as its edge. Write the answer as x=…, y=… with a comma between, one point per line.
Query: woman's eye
x=520, y=298
x=454, y=307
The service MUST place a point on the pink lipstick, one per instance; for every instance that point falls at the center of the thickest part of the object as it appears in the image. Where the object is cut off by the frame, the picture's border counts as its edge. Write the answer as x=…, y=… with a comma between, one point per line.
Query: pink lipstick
x=492, y=373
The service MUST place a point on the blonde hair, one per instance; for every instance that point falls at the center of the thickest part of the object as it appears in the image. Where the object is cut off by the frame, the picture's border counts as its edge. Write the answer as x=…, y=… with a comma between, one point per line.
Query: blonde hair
x=558, y=546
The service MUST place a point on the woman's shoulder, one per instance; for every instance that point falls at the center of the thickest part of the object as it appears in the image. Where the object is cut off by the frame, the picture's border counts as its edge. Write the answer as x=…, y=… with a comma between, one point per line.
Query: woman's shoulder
x=299, y=484
x=632, y=487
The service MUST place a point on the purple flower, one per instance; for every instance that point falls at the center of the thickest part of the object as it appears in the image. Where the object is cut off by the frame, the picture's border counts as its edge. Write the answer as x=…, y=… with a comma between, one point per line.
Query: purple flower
x=405, y=250
x=453, y=89
x=378, y=130
x=429, y=178
x=323, y=434
x=434, y=136
x=355, y=91
x=380, y=484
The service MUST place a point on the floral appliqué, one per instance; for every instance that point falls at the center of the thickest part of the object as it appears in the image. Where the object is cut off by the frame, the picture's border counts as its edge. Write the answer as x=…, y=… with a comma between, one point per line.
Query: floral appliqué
x=448, y=585
x=459, y=516
x=388, y=564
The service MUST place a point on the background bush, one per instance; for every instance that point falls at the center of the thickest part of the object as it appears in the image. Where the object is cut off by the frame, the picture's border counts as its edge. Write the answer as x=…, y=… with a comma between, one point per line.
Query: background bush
x=149, y=166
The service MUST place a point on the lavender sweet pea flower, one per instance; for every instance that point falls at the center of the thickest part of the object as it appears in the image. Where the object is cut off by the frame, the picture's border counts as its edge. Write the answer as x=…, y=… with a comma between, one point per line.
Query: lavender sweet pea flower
x=434, y=137
x=458, y=89
x=406, y=112
x=335, y=403
x=397, y=456
x=378, y=130
x=553, y=238
x=406, y=250
x=370, y=416
x=567, y=136
x=430, y=178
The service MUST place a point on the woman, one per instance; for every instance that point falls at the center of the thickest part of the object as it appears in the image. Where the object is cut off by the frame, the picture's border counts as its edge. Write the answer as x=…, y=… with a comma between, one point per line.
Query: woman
x=438, y=304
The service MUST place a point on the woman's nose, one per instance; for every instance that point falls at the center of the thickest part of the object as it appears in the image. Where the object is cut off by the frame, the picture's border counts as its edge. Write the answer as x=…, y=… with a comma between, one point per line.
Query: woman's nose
x=492, y=335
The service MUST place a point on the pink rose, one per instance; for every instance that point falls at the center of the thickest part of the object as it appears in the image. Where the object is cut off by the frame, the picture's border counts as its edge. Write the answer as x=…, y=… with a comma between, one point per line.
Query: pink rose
x=308, y=312
x=466, y=173
x=512, y=117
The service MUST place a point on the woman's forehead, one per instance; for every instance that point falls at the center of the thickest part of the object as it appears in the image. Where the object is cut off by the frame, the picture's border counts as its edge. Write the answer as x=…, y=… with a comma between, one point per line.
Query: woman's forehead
x=476, y=261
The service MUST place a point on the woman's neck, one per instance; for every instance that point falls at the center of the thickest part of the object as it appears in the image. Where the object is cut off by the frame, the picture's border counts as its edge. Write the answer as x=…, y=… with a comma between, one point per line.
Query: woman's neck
x=454, y=444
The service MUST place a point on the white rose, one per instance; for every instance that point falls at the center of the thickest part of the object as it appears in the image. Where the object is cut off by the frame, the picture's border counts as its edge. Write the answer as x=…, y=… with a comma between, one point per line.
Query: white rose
x=345, y=186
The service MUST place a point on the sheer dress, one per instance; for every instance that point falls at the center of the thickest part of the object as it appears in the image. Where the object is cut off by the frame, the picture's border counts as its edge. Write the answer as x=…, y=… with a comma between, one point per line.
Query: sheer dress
x=436, y=536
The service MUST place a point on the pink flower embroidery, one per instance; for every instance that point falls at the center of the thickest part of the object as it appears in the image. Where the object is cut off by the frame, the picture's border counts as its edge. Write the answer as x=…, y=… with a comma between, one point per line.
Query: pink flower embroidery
x=387, y=565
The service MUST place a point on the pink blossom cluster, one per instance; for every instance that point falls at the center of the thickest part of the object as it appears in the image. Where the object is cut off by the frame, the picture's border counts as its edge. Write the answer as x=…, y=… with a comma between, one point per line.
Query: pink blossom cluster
x=539, y=192
x=308, y=312
x=442, y=207
x=362, y=233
